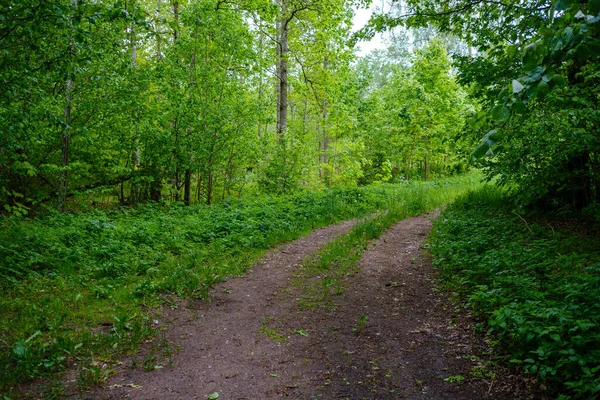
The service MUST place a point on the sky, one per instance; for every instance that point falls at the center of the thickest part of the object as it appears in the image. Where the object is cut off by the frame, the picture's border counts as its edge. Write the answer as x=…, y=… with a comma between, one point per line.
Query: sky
x=360, y=19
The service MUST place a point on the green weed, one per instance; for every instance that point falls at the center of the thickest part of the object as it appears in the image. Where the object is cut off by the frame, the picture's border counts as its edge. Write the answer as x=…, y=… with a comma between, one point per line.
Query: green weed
x=360, y=325
x=267, y=328
x=454, y=378
x=534, y=286
x=93, y=375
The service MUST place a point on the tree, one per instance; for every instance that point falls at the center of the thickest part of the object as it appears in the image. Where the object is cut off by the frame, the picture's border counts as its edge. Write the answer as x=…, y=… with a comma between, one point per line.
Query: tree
x=536, y=68
x=411, y=122
x=52, y=70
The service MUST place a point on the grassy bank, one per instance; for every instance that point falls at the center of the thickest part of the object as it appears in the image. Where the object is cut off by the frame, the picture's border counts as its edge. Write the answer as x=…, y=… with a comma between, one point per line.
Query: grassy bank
x=534, y=282
x=77, y=288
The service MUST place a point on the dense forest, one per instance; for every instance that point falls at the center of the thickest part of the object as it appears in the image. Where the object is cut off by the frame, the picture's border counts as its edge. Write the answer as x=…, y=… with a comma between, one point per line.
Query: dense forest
x=134, y=130
x=203, y=100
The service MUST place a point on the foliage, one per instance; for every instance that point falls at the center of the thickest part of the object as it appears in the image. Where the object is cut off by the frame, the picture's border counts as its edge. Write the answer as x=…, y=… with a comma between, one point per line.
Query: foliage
x=533, y=282
x=412, y=116
x=537, y=72
x=135, y=101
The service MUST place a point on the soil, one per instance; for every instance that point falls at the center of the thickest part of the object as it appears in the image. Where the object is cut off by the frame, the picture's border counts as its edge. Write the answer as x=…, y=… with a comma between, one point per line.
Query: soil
x=391, y=334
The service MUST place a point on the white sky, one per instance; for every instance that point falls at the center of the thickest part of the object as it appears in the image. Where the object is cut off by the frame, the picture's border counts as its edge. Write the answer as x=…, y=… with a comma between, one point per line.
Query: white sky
x=361, y=17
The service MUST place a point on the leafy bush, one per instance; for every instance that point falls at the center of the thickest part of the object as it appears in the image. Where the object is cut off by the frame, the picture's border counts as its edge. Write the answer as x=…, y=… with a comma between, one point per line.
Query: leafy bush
x=536, y=286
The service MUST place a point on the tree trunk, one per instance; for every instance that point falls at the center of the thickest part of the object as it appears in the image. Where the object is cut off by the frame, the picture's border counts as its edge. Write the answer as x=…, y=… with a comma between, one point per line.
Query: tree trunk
x=209, y=186
x=282, y=73
x=157, y=31
x=187, y=191
x=66, y=138
x=260, y=81
x=187, y=184
x=176, y=182
x=426, y=161
x=282, y=98
x=136, y=189
x=199, y=186
x=325, y=130
x=176, y=17
x=66, y=141
x=156, y=184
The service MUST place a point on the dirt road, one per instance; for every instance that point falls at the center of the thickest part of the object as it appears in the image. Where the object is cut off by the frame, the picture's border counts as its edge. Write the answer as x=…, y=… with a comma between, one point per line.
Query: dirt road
x=390, y=335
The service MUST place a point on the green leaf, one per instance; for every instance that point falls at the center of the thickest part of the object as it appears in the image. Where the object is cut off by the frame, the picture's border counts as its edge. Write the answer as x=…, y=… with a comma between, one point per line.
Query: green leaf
x=500, y=113
x=493, y=136
x=542, y=90
x=535, y=74
x=213, y=396
x=19, y=349
x=519, y=106
x=568, y=35
x=559, y=80
x=489, y=140
x=517, y=87
x=594, y=47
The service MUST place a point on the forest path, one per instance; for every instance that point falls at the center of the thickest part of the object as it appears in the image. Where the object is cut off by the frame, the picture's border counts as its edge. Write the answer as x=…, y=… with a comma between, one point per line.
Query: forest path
x=390, y=335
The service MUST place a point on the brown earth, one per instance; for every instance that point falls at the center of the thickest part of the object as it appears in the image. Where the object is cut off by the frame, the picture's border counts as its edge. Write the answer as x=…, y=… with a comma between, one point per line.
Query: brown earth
x=390, y=335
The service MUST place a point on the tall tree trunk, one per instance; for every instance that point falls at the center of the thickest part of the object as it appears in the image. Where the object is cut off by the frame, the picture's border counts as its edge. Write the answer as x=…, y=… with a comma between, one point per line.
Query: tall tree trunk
x=66, y=137
x=66, y=141
x=282, y=97
x=154, y=170
x=426, y=163
x=176, y=17
x=187, y=185
x=157, y=31
x=136, y=189
x=176, y=182
x=156, y=187
x=199, y=186
x=325, y=130
x=260, y=80
x=282, y=73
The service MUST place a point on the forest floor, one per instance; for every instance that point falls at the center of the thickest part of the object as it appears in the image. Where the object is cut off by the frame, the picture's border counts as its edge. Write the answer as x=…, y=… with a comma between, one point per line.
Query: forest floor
x=391, y=334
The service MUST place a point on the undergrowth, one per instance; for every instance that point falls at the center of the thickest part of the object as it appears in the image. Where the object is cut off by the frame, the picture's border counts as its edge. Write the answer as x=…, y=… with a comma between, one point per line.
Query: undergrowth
x=534, y=282
x=78, y=289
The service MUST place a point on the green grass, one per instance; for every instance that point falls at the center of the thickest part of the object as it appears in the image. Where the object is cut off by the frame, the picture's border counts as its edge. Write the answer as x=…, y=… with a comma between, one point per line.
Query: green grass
x=324, y=274
x=535, y=284
x=80, y=288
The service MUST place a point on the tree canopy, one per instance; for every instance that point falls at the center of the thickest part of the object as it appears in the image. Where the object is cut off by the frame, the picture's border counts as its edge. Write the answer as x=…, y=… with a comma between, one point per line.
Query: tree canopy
x=200, y=100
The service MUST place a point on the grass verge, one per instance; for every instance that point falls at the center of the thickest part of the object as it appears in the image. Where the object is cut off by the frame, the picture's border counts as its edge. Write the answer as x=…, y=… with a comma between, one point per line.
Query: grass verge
x=535, y=284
